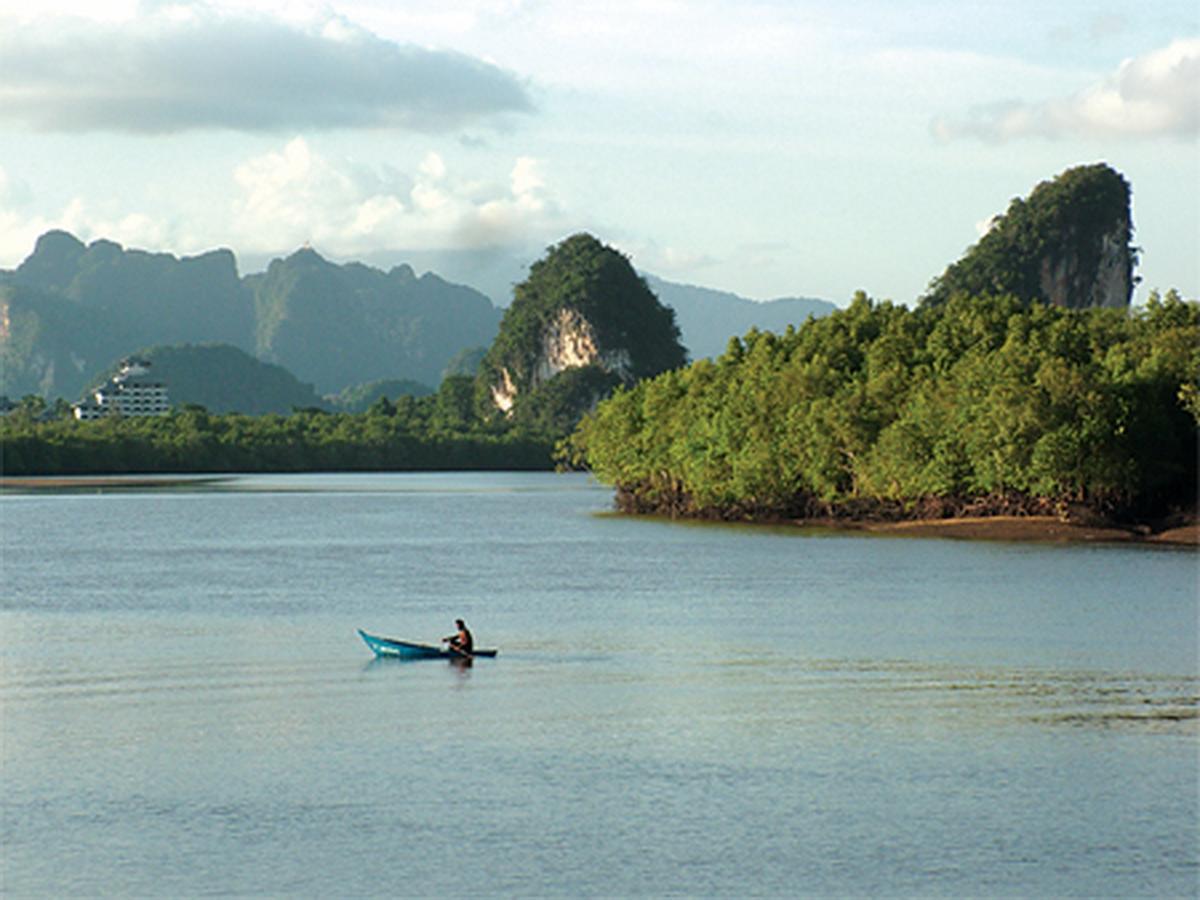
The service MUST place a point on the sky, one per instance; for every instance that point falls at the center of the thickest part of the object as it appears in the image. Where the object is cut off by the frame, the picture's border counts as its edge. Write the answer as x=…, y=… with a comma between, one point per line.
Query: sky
x=762, y=147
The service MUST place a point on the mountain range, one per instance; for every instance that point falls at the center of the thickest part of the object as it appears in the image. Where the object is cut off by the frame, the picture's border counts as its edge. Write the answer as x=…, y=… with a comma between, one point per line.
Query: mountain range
x=71, y=309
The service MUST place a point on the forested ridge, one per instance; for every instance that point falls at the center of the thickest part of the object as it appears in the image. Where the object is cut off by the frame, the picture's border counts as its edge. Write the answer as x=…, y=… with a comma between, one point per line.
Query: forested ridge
x=973, y=405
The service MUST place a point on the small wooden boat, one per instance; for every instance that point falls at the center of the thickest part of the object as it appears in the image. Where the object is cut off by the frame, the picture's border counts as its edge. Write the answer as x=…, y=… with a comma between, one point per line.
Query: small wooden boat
x=391, y=648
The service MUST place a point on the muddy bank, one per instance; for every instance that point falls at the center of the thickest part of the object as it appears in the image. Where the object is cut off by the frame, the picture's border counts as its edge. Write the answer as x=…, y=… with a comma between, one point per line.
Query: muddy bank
x=107, y=482
x=1002, y=517
x=1031, y=528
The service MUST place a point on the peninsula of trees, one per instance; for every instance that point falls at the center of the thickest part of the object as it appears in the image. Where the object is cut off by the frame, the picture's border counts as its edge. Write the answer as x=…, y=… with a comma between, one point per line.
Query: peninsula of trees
x=979, y=405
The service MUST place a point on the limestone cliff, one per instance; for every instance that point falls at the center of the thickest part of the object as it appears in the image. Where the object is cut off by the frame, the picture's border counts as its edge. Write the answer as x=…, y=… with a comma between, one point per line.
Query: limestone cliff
x=1079, y=275
x=583, y=312
x=1067, y=244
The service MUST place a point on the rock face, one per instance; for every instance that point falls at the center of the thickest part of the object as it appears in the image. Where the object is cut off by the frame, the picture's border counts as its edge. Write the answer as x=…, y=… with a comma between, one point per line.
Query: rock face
x=1064, y=280
x=569, y=342
x=1067, y=245
x=503, y=392
x=583, y=307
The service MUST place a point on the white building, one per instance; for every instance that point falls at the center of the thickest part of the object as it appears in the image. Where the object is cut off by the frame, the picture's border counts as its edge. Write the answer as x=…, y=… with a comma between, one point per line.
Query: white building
x=133, y=391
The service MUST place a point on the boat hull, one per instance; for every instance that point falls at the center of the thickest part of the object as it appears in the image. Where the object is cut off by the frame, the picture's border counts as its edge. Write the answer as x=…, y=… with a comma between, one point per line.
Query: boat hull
x=394, y=649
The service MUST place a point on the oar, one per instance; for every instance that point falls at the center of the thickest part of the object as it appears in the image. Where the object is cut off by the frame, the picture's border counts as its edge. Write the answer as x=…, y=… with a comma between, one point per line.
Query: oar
x=456, y=649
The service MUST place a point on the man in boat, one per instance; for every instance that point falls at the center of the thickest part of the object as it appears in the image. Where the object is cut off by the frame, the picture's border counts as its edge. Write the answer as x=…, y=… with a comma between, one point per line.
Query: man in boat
x=461, y=640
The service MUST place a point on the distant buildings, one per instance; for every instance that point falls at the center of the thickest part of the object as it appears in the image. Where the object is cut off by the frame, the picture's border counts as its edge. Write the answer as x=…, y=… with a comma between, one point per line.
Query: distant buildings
x=133, y=391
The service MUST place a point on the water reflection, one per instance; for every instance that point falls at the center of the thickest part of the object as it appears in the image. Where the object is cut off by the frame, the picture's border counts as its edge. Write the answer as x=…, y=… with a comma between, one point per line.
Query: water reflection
x=379, y=663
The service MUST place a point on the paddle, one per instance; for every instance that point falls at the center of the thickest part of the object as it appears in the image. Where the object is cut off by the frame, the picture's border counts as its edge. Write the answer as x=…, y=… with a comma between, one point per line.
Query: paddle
x=454, y=648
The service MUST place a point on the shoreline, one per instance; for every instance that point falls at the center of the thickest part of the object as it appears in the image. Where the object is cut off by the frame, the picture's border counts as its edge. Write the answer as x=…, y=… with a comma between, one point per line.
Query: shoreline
x=1043, y=529
x=102, y=482
x=1031, y=529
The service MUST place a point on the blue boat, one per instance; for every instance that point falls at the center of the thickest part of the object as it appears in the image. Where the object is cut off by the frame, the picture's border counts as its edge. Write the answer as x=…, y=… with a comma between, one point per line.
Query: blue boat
x=393, y=649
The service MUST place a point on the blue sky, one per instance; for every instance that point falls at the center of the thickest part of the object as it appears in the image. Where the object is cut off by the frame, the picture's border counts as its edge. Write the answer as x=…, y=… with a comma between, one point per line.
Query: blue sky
x=767, y=148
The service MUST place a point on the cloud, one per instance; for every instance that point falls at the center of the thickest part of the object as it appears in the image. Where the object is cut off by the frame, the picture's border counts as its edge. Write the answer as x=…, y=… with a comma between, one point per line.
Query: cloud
x=664, y=260
x=20, y=229
x=13, y=191
x=186, y=66
x=296, y=195
x=1149, y=96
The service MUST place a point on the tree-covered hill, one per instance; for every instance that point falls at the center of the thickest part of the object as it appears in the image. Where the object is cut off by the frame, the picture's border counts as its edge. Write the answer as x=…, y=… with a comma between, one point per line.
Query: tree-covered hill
x=75, y=309
x=1067, y=244
x=582, y=322
x=974, y=405
x=224, y=379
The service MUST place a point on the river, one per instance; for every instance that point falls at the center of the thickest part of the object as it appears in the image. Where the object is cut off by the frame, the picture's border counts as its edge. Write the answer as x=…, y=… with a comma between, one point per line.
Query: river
x=676, y=709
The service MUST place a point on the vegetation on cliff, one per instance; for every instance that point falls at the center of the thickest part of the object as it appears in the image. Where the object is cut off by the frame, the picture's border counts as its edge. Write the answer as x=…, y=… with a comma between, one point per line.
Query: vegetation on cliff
x=973, y=405
x=1062, y=232
x=583, y=286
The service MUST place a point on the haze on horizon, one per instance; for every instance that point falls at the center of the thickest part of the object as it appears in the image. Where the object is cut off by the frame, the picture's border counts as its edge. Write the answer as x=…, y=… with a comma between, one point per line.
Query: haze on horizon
x=768, y=148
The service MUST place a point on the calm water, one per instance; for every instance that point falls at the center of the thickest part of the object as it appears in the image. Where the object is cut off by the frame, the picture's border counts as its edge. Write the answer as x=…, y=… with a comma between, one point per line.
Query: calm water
x=676, y=709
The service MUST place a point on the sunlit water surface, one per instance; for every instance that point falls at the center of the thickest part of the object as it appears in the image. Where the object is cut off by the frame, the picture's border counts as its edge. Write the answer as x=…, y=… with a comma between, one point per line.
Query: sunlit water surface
x=675, y=710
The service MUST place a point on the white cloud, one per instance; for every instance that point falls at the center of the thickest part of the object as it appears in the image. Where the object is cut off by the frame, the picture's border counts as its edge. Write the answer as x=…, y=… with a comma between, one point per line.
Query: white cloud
x=19, y=231
x=433, y=167
x=527, y=181
x=191, y=66
x=1153, y=95
x=297, y=195
x=983, y=226
x=13, y=191
x=668, y=261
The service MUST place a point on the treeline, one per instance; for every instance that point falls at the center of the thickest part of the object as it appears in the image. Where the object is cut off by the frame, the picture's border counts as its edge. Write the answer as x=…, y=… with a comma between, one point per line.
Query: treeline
x=972, y=406
x=438, y=432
